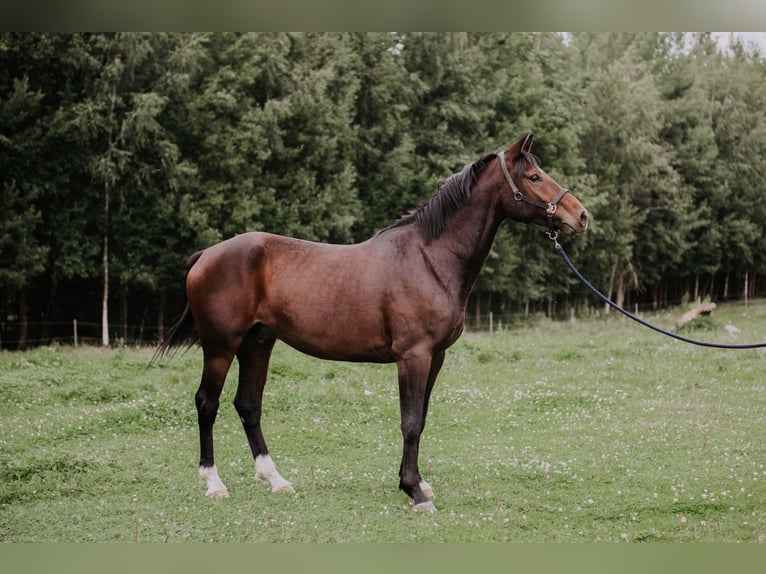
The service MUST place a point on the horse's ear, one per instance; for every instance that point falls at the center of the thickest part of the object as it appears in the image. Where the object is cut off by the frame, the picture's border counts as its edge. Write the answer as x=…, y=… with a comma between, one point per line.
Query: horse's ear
x=523, y=145
x=527, y=142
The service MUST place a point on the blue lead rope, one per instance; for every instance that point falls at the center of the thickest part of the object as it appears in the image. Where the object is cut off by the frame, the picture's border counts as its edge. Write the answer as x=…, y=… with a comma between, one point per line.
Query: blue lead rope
x=609, y=302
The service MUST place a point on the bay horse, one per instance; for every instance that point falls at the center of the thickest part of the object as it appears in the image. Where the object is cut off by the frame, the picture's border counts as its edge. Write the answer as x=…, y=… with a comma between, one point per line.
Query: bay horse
x=399, y=297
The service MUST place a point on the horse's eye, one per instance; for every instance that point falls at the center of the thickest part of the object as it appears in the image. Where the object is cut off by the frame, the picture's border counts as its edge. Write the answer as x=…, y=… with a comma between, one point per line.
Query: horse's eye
x=534, y=177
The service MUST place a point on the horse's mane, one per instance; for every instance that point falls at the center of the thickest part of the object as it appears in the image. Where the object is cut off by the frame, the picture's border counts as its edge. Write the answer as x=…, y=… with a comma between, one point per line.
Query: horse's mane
x=451, y=195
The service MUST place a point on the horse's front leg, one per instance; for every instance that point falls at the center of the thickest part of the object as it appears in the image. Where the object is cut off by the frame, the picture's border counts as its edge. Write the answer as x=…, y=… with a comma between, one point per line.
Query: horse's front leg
x=413, y=399
x=436, y=364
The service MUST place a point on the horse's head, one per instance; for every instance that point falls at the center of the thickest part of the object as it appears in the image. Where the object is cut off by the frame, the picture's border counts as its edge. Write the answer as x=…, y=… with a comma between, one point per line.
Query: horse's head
x=535, y=197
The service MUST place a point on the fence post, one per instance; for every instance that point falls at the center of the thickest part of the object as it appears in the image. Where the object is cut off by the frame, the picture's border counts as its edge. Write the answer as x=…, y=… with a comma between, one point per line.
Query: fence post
x=491, y=323
x=74, y=329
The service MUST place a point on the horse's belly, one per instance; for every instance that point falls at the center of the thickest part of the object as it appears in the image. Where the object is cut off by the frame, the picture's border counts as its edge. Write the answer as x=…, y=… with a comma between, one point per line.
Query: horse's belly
x=338, y=351
x=336, y=340
x=331, y=329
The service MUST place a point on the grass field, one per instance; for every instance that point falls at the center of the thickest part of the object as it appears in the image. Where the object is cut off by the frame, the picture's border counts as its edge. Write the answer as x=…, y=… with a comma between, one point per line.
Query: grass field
x=594, y=431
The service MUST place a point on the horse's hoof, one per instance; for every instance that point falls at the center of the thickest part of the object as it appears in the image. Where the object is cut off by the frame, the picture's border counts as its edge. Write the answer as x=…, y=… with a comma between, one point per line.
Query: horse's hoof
x=286, y=487
x=426, y=506
x=426, y=488
x=220, y=493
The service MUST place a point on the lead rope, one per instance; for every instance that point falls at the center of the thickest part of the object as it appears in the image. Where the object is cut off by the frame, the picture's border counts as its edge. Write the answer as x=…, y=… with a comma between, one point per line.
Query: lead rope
x=609, y=302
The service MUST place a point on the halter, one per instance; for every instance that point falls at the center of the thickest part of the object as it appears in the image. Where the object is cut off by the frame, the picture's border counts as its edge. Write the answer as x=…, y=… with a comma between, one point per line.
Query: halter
x=550, y=208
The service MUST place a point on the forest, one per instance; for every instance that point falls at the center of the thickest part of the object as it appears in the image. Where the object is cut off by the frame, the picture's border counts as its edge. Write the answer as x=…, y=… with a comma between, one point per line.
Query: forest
x=123, y=153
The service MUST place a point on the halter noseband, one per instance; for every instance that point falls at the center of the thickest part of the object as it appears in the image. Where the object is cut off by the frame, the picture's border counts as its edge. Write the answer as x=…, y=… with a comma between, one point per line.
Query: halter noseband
x=550, y=208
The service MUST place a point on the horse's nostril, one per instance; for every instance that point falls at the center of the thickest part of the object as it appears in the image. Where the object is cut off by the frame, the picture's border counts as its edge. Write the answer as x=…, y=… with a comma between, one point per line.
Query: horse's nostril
x=584, y=219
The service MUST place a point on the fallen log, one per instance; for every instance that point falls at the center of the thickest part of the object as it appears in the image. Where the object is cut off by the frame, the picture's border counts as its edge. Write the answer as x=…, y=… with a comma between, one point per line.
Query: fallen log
x=705, y=309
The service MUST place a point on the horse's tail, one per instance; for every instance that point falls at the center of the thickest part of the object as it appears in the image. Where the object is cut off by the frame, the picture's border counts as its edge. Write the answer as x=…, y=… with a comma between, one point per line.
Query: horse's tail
x=183, y=332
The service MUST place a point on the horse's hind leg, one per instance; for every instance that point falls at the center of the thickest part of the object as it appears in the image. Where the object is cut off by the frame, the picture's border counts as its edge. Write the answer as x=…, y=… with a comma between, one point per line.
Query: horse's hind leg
x=253, y=357
x=207, y=400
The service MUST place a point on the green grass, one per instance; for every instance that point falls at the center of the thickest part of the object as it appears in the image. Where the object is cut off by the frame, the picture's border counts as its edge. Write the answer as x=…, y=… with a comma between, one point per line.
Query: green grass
x=595, y=431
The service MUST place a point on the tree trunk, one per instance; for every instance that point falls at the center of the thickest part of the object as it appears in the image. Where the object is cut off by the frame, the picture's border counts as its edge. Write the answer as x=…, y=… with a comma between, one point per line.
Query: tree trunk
x=745, y=291
x=753, y=283
x=696, y=286
x=23, y=323
x=124, y=312
x=105, y=298
x=611, y=287
x=107, y=218
x=161, y=316
x=620, y=290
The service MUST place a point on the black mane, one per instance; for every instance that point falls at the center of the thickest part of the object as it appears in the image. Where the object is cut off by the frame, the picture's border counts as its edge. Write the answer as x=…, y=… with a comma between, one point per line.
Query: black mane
x=450, y=196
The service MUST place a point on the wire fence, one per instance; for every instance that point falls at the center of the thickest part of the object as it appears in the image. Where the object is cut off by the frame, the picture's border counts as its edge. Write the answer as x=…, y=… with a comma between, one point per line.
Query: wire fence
x=76, y=333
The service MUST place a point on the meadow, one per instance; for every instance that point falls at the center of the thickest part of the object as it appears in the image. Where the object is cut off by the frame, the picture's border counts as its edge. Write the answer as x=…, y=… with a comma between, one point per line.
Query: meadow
x=597, y=430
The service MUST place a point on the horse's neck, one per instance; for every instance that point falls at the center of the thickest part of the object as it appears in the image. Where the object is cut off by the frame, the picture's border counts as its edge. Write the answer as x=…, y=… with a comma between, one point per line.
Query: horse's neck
x=465, y=244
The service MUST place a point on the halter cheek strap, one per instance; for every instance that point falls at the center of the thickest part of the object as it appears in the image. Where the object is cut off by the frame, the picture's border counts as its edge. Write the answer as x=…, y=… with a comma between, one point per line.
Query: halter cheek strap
x=550, y=208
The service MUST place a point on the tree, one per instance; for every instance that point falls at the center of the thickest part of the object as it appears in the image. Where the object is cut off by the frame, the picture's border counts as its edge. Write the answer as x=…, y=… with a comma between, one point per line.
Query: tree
x=534, y=87
x=640, y=223
x=120, y=154
x=272, y=135
x=388, y=178
x=22, y=180
x=115, y=122
x=739, y=123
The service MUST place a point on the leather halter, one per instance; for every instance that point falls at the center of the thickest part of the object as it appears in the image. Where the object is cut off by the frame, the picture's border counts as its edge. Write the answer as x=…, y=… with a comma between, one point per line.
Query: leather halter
x=550, y=208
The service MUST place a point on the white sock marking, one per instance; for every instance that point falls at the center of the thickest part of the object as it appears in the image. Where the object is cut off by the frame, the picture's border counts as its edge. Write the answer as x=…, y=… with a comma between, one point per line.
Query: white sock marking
x=215, y=486
x=266, y=471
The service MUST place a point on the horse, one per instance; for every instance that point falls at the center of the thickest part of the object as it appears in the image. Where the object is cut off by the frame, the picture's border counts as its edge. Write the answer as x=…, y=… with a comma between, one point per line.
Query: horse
x=398, y=297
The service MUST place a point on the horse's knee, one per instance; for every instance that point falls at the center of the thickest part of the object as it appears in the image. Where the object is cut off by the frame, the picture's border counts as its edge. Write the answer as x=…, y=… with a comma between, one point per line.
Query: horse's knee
x=411, y=431
x=248, y=411
x=246, y=407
